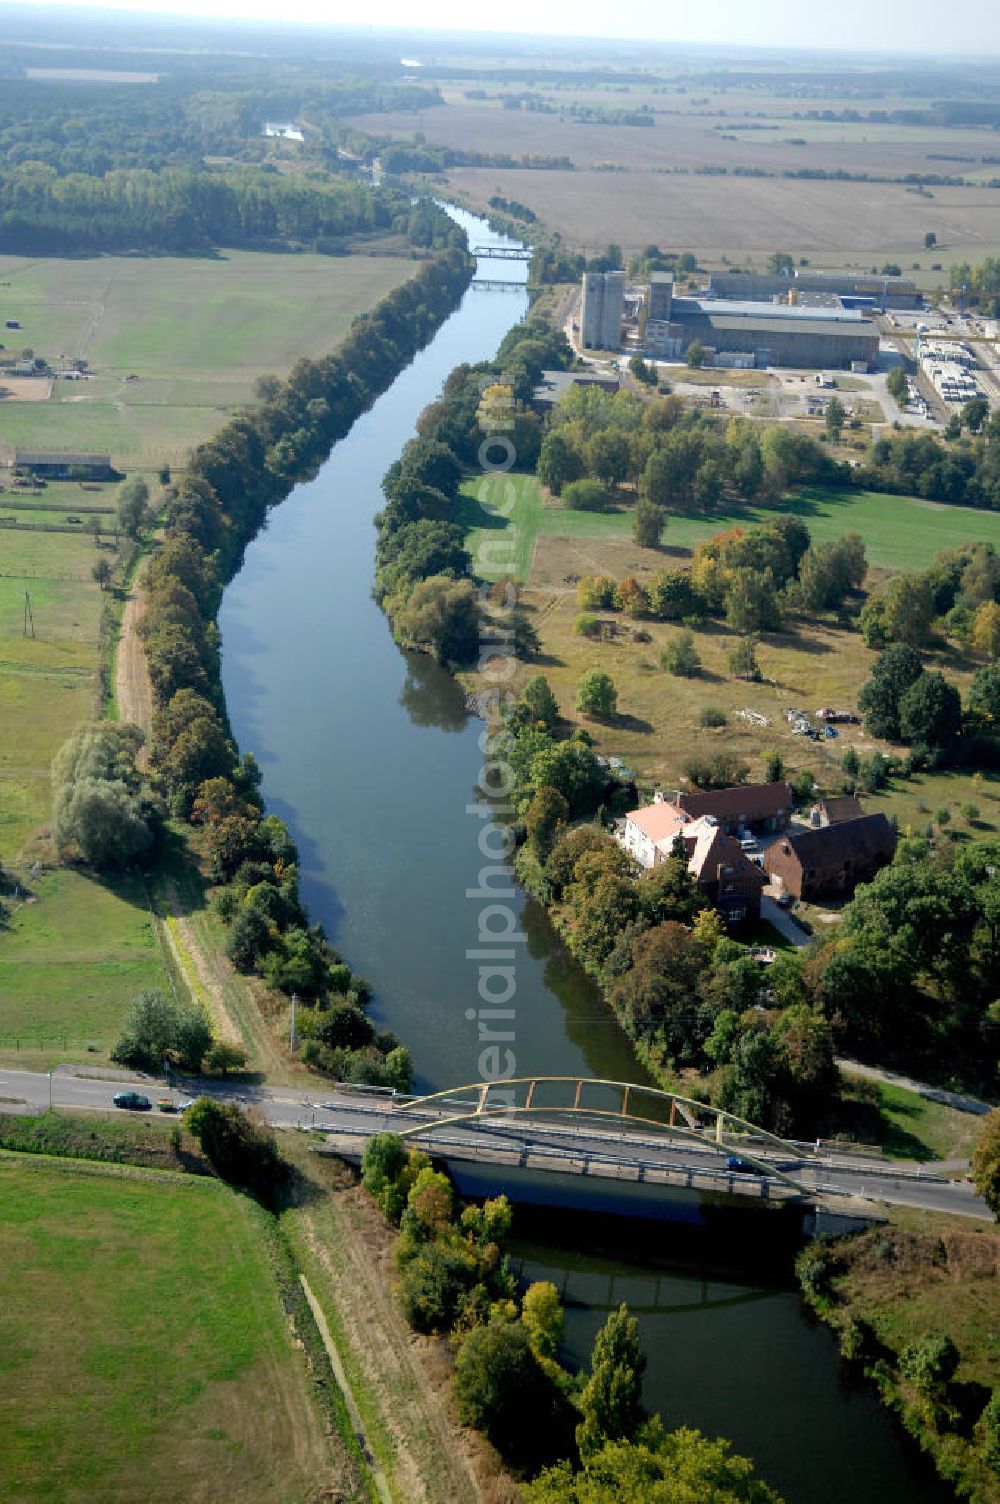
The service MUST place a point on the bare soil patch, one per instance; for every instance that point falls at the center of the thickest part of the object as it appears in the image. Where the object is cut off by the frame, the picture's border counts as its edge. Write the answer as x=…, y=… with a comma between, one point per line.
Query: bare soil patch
x=862, y=220
x=25, y=388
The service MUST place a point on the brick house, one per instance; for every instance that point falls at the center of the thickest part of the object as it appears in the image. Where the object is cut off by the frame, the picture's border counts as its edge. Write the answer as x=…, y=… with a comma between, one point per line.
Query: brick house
x=729, y=879
x=758, y=807
x=831, y=859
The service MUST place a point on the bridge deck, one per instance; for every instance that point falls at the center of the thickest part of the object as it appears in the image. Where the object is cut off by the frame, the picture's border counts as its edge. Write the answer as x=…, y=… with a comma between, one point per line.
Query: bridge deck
x=631, y=1170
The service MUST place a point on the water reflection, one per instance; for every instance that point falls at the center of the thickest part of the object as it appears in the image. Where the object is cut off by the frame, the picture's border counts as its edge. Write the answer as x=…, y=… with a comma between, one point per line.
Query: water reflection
x=432, y=697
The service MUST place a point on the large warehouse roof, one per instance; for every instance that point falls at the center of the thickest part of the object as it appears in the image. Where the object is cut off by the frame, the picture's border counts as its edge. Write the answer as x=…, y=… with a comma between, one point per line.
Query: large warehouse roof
x=784, y=313
x=767, y=323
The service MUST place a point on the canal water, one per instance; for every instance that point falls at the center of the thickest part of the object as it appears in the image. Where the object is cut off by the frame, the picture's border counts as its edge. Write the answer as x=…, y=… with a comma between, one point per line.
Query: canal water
x=370, y=757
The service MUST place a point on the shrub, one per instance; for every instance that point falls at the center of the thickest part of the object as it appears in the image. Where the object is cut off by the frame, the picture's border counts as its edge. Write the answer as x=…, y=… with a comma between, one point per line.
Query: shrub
x=681, y=656
x=712, y=715
x=432, y=1285
x=720, y=771
x=989, y=1428
x=223, y=1057
x=743, y=660
x=157, y=1027
x=501, y=1390
x=596, y=592
x=930, y=1363
x=585, y=496
x=587, y=626
x=241, y=1149
x=648, y=522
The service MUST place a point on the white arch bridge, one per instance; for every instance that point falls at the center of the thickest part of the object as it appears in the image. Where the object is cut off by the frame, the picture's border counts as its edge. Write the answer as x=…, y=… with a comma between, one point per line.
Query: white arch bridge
x=611, y=1129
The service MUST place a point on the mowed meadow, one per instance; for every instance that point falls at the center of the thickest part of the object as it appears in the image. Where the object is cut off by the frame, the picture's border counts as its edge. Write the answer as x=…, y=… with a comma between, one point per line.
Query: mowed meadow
x=146, y=1351
x=900, y=532
x=174, y=343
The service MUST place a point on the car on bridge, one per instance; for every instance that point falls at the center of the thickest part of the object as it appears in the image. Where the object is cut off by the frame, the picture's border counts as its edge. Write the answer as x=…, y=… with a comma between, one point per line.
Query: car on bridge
x=743, y=1166
x=134, y=1100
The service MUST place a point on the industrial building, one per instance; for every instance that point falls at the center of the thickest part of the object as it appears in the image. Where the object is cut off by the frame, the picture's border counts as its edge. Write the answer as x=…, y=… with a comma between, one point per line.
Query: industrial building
x=858, y=289
x=807, y=328
x=601, y=314
x=764, y=334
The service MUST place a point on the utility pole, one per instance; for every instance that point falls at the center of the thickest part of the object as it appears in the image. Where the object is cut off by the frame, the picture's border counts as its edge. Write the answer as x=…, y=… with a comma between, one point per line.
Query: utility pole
x=29, y=620
x=293, y=1042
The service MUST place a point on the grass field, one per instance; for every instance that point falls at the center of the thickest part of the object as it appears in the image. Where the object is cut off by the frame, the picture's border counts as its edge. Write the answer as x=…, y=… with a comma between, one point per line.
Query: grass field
x=908, y=1126
x=70, y=962
x=193, y=332
x=143, y=1359
x=900, y=532
x=47, y=682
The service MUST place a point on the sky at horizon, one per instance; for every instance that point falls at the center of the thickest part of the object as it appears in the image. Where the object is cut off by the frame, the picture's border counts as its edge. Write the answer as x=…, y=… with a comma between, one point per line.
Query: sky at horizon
x=966, y=27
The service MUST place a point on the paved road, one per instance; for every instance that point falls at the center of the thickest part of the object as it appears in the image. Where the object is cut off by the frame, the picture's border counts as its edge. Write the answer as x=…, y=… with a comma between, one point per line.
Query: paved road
x=774, y=914
x=359, y=1115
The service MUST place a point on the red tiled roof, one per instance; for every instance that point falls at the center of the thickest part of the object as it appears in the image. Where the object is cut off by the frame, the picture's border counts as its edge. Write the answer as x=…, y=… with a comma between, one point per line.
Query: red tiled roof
x=754, y=800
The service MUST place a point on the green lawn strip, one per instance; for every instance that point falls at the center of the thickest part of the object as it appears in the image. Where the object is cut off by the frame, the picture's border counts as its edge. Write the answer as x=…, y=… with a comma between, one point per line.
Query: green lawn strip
x=900, y=532
x=144, y=1349
x=904, y=1124
x=70, y=963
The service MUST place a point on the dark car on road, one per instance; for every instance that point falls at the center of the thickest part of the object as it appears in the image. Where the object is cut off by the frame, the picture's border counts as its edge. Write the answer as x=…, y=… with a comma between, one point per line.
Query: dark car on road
x=743, y=1166
x=133, y=1099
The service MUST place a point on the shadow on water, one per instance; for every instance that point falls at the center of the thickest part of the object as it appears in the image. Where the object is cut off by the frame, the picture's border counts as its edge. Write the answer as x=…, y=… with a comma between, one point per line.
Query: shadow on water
x=313, y=869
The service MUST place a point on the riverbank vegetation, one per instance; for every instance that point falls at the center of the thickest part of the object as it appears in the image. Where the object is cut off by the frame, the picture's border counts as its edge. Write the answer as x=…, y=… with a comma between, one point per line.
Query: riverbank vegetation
x=423, y=573
x=913, y=1302
x=581, y=1437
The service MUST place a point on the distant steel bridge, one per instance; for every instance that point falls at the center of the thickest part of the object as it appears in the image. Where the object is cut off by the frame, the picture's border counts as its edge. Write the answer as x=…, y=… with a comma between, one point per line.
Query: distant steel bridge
x=503, y=252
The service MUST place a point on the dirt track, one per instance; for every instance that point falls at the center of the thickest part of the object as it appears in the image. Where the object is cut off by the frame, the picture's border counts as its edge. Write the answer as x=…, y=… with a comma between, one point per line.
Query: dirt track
x=133, y=690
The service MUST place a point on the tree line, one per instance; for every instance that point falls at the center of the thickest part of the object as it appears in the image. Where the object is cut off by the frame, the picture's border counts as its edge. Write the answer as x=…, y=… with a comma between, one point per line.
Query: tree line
x=183, y=209
x=423, y=571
